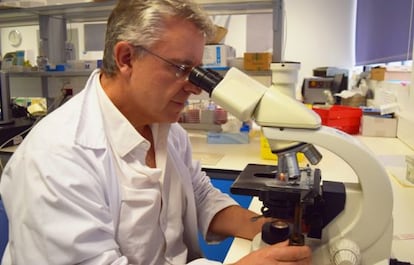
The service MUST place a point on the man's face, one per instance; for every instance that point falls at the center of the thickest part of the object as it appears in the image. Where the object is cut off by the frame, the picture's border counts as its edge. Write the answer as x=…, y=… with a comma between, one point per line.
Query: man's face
x=156, y=93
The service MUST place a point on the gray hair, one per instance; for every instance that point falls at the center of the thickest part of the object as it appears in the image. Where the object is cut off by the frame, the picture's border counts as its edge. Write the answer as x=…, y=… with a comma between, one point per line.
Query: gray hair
x=141, y=22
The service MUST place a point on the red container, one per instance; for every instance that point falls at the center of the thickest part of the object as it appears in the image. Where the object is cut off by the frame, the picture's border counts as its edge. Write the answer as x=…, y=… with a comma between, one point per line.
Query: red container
x=347, y=119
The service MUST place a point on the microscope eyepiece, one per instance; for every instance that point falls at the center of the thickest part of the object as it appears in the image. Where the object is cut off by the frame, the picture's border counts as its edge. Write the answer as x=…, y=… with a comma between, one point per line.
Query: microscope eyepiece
x=206, y=79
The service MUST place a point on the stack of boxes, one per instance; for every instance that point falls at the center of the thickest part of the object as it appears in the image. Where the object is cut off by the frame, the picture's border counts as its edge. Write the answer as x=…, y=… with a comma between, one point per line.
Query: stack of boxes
x=257, y=61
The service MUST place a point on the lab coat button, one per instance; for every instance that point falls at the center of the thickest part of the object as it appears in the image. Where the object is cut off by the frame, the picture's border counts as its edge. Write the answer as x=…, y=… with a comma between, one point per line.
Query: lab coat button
x=145, y=145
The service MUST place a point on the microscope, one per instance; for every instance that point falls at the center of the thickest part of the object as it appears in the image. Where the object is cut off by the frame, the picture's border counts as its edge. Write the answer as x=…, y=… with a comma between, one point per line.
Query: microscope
x=343, y=223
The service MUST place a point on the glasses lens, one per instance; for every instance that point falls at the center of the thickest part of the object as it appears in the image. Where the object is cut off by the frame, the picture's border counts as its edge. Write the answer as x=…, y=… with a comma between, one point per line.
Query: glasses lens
x=184, y=70
x=181, y=69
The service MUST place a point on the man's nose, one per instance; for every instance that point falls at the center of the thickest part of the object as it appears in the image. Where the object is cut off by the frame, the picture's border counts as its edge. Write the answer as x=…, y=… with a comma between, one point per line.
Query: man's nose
x=190, y=88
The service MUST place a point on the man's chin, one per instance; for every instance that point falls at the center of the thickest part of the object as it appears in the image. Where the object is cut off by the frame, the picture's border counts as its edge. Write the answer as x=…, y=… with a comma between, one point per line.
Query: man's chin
x=172, y=119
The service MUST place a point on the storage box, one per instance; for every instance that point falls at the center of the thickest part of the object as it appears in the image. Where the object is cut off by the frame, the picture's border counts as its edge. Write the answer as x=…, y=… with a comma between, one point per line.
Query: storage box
x=378, y=73
x=347, y=119
x=216, y=56
x=356, y=100
x=391, y=74
x=378, y=126
x=257, y=61
x=397, y=75
x=219, y=35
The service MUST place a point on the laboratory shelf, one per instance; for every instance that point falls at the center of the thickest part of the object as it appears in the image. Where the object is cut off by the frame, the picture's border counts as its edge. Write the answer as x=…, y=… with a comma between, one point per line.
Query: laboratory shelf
x=44, y=76
x=237, y=7
x=12, y=15
x=73, y=12
x=48, y=74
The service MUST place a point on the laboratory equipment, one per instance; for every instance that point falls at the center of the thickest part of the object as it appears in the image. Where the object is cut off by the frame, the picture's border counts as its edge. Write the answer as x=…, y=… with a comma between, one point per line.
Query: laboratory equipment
x=322, y=87
x=341, y=222
x=11, y=129
x=5, y=110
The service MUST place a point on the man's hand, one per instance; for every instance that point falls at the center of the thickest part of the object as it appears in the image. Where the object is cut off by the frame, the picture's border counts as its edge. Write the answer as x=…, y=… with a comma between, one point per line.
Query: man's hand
x=280, y=253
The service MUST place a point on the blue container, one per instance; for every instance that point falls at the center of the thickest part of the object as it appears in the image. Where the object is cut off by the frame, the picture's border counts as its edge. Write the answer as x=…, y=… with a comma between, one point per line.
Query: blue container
x=4, y=230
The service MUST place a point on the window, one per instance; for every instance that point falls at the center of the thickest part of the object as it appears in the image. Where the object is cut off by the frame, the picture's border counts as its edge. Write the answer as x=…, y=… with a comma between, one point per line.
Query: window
x=384, y=31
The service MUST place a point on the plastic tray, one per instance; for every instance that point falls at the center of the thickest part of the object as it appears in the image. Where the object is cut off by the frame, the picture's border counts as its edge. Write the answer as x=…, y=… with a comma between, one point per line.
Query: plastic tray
x=344, y=118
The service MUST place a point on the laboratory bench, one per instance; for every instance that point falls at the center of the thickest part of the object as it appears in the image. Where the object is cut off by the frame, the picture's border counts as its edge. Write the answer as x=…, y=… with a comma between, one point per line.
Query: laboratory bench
x=391, y=153
x=224, y=160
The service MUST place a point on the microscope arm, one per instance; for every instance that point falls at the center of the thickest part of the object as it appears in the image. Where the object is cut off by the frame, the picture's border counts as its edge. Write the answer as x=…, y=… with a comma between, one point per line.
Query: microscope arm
x=366, y=221
x=371, y=218
x=287, y=123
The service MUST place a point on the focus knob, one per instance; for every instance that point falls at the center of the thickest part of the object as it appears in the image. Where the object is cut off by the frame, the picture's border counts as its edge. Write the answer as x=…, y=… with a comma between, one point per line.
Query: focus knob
x=345, y=252
x=275, y=232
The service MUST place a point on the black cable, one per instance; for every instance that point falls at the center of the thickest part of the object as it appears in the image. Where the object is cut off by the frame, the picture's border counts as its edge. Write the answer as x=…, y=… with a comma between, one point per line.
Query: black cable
x=397, y=262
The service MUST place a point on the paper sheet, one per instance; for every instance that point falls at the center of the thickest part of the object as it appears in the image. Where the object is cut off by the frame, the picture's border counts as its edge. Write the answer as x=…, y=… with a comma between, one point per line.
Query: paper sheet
x=399, y=174
x=209, y=159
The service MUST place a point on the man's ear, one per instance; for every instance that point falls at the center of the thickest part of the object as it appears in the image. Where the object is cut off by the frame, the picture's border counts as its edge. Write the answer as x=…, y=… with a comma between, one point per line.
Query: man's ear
x=124, y=54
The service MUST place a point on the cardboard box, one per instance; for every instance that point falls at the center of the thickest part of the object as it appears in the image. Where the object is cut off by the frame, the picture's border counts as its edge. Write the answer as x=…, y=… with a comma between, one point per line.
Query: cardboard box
x=378, y=126
x=216, y=56
x=219, y=35
x=378, y=73
x=257, y=61
x=391, y=74
x=397, y=75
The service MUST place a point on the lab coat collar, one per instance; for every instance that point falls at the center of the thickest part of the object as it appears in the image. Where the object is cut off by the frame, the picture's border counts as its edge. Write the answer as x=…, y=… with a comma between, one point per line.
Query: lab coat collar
x=120, y=132
x=98, y=110
x=91, y=132
x=90, y=128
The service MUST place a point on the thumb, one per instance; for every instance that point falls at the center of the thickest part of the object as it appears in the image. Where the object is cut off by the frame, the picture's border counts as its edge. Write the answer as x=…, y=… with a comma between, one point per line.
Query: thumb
x=282, y=244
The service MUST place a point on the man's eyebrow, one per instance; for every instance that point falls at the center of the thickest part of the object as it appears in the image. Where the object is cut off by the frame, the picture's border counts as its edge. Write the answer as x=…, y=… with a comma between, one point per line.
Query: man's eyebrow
x=185, y=62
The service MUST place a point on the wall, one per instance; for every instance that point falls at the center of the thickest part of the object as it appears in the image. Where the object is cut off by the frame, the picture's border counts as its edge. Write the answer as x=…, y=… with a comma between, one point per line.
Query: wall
x=410, y=108
x=318, y=33
x=29, y=45
x=31, y=87
x=30, y=42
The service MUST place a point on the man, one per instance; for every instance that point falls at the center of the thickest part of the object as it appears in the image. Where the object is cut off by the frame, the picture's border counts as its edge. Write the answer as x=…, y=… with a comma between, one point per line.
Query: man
x=108, y=177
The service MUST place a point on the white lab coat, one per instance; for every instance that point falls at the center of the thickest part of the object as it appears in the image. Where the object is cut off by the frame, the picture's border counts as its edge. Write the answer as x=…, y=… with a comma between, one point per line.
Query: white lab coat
x=63, y=198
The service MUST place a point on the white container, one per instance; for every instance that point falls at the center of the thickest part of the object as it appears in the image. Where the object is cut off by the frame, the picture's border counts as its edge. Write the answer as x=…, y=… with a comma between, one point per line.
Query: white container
x=410, y=168
x=285, y=77
x=285, y=72
x=217, y=56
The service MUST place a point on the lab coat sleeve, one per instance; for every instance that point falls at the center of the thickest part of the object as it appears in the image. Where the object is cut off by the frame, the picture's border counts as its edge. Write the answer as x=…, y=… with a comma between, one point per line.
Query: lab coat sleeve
x=61, y=210
x=209, y=200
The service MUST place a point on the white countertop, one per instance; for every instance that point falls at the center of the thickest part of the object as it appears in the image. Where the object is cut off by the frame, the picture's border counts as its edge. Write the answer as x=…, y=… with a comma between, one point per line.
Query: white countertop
x=391, y=152
x=226, y=156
